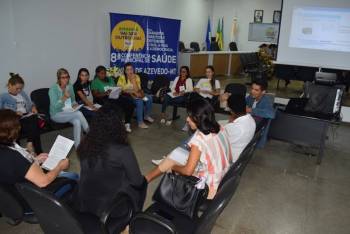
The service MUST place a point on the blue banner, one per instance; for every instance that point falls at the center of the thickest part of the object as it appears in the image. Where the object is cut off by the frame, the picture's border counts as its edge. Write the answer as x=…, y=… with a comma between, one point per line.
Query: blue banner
x=149, y=43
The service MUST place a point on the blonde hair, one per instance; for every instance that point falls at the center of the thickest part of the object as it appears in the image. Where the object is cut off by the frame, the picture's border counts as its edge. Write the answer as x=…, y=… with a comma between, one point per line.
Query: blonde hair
x=61, y=72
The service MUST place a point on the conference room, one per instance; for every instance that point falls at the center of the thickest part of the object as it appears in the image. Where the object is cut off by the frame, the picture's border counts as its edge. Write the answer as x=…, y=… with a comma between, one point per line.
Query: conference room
x=174, y=116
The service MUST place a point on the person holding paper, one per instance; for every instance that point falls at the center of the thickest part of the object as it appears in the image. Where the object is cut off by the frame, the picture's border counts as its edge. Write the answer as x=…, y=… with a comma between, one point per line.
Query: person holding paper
x=83, y=94
x=102, y=87
x=210, y=155
x=179, y=89
x=62, y=104
x=108, y=166
x=17, y=164
x=131, y=86
x=17, y=100
x=209, y=87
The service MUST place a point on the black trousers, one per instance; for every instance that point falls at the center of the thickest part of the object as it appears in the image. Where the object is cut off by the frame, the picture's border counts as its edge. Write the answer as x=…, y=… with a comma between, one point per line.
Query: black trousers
x=124, y=103
x=30, y=130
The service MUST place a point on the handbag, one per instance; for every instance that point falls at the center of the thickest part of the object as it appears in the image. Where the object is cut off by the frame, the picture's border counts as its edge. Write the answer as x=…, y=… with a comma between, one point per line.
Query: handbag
x=180, y=192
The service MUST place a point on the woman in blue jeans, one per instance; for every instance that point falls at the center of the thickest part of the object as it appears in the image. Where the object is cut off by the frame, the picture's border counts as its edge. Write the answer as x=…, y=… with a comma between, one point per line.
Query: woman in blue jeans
x=131, y=86
x=62, y=103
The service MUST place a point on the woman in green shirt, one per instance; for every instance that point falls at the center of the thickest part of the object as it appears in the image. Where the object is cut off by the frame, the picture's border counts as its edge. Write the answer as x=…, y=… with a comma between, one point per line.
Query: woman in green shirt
x=62, y=103
x=101, y=87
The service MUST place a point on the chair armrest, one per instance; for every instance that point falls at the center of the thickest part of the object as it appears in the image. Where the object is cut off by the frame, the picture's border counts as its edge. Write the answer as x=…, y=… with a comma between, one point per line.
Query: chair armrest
x=119, y=201
x=153, y=218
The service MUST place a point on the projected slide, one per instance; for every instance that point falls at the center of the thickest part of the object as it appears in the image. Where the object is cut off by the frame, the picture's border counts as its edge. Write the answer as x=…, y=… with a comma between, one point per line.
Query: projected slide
x=320, y=28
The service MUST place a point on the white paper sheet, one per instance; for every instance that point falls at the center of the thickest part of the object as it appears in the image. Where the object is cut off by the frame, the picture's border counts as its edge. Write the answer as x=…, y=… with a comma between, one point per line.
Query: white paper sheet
x=115, y=92
x=97, y=106
x=180, y=155
x=72, y=109
x=59, y=151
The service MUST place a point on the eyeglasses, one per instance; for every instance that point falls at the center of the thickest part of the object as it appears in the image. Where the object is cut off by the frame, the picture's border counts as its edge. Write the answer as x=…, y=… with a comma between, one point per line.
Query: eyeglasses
x=64, y=77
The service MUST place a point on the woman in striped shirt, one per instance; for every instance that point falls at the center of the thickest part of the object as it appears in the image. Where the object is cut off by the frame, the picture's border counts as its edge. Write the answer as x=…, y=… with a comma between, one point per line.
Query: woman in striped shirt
x=210, y=154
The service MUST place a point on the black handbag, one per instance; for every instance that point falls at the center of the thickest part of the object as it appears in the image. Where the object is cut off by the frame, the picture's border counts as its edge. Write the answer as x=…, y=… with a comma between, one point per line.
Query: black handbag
x=180, y=192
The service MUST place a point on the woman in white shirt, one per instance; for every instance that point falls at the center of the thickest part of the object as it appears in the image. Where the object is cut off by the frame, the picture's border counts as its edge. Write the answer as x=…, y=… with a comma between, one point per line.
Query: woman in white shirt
x=181, y=86
x=209, y=87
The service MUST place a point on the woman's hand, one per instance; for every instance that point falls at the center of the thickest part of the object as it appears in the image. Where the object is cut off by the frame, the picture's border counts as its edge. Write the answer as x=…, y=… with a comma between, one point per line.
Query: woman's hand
x=34, y=110
x=63, y=164
x=41, y=158
x=19, y=113
x=66, y=94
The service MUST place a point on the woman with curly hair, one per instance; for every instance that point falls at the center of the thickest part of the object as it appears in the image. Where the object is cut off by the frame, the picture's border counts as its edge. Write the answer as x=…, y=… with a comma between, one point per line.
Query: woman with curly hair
x=108, y=165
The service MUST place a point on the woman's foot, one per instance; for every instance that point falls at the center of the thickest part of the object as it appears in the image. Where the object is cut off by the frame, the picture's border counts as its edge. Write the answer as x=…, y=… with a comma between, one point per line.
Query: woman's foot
x=168, y=123
x=128, y=128
x=149, y=119
x=162, y=121
x=143, y=126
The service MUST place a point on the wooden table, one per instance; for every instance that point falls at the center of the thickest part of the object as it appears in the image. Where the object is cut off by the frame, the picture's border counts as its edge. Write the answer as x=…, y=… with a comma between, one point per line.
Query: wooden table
x=224, y=62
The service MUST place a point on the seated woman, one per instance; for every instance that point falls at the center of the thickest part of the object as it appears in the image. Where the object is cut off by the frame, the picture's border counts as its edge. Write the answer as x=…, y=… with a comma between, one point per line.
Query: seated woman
x=210, y=153
x=108, y=165
x=17, y=164
x=101, y=88
x=131, y=86
x=83, y=93
x=209, y=87
x=181, y=86
x=62, y=100
x=17, y=100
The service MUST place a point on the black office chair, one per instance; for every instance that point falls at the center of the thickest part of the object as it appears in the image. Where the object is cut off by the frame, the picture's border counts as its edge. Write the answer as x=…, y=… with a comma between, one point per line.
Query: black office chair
x=40, y=98
x=160, y=219
x=233, y=46
x=13, y=207
x=195, y=46
x=144, y=82
x=55, y=217
x=181, y=46
x=214, y=46
x=251, y=64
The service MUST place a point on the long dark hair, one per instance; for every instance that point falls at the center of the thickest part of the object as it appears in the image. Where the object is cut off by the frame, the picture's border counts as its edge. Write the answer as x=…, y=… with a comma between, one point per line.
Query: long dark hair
x=213, y=79
x=128, y=64
x=78, y=81
x=202, y=114
x=9, y=127
x=187, y=71
x=105, y=128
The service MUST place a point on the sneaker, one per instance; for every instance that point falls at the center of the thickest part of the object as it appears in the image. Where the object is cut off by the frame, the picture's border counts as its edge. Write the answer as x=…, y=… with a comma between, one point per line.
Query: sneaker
x=157, y=161
x=127, y=128
x=162, y=121
x=168, y=123
x=143, y=126
x=185, y=128
x=149, y=119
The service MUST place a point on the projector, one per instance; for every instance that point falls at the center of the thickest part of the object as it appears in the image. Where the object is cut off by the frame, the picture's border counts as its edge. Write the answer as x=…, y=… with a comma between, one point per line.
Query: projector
x=325, y=78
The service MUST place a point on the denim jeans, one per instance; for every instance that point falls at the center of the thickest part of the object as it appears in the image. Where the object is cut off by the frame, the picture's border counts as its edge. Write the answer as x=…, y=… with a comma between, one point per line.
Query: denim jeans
x=143, y=108
x=78, y=121
x=66, y=188
x=171, y=101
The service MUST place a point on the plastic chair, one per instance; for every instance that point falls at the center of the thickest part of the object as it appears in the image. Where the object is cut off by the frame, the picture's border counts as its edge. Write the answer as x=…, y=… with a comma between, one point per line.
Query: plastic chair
x=161, y=219
x=13, y=207
x=55, y=217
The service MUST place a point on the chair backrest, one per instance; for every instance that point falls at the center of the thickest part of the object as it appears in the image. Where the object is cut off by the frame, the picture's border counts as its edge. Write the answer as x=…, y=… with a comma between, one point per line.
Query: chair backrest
x=158, y=83
x=40, y=98
x=181, y=46
x=144, y=80
x=12, y=205
x=205, y=223
x=195, y=46
x=233, y=46
x=214, y=46
x=54, y=217
x=236, y=89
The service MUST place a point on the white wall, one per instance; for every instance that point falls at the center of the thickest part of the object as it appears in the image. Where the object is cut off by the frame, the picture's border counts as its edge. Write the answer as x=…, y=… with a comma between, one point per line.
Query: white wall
x=37, y=37
x=244, y=11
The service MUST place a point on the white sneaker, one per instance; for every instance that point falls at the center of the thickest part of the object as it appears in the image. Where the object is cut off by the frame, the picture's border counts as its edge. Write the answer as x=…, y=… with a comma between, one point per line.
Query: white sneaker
x=168, y=123
x=162, y=121
x=143, y=126
x=185, y=128
x=149, y=119
x=157, y=161
x=127, y=128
